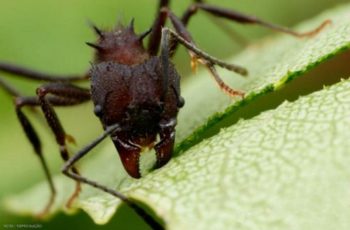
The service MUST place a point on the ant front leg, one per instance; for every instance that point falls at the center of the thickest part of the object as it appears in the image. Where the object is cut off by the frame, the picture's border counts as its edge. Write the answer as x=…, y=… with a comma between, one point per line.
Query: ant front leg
x=30, y=132
x=183, y=37
x=70, y=94
x=66, y=169
x=210, y=63
x=165, y=146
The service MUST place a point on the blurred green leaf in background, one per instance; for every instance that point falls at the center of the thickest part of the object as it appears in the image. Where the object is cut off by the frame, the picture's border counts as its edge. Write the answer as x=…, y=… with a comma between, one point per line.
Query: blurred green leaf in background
x=50, y=36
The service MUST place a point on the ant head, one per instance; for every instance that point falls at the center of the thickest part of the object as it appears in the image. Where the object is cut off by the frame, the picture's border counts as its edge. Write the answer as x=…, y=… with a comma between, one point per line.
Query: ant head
x=121, y=45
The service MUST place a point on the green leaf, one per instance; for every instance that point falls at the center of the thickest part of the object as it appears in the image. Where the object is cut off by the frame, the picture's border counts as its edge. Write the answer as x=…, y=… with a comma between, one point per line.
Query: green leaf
x=275, y=170
x=287, y=168
x=271, y=64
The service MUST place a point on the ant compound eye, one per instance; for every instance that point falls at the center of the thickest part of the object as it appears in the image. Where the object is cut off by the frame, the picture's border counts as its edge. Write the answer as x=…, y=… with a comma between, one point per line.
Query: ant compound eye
x=180, y=102
x=98, y=110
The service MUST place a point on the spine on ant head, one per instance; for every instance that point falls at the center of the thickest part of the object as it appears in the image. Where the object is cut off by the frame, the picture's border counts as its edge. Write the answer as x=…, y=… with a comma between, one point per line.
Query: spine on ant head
x=121, y=45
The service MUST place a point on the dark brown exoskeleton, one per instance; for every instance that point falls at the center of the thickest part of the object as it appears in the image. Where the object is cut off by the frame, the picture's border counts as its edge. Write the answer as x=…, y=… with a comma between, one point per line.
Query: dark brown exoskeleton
x=136, y=94
x=129, y=88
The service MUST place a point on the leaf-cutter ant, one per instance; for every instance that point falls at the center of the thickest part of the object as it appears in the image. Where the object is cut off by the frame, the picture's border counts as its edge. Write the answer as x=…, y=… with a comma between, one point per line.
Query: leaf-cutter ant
x=135, y=92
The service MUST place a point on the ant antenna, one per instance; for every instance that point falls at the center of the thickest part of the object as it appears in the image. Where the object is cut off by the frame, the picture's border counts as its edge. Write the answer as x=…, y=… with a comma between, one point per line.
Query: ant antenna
x=164, y=54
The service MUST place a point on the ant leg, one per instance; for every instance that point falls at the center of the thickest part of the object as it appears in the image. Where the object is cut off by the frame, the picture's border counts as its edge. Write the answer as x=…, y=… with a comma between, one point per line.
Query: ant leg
x=34, y=75
x=207, y=60
x=165, y=146
x=184, y=37
x=165, y=56
x=244, y=19
x=8, y=88
x=159, y=22
x=71, y=94
x=21, y=101
x=233, y=35
x=186, y=40
x=240, y=18
x=35, y=142
x=70, y=165
x=32, y=137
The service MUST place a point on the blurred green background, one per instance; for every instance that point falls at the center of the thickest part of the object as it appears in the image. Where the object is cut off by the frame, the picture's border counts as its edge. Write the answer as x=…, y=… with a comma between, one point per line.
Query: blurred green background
x=50, y=36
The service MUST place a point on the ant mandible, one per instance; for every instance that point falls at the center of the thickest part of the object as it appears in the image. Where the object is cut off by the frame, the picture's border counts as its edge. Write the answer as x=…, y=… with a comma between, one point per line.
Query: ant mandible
x=136, y=94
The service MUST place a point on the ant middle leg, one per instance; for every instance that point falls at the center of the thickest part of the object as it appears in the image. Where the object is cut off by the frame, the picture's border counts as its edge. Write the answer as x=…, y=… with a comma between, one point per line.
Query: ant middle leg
x=66, y=94
x=38, y=76
x=31, y=134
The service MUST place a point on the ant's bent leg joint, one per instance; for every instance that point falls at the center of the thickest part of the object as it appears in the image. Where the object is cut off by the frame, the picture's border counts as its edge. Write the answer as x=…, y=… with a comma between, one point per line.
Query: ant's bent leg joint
x=41, y=91
x=57, y=129
x=19, y=102
x=190, y=11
